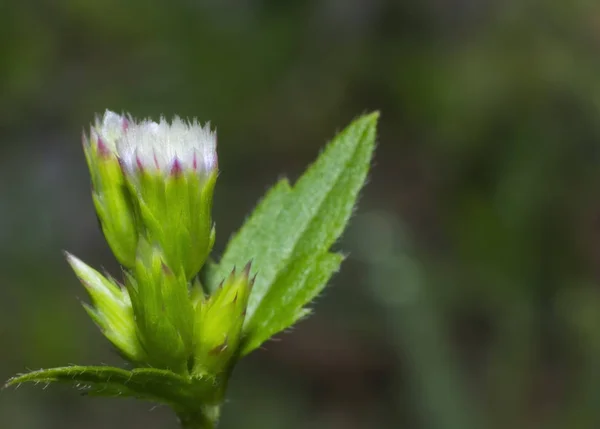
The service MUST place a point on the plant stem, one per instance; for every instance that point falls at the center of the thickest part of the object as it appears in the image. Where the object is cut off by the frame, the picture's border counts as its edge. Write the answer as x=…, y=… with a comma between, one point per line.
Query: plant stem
x=206, y=418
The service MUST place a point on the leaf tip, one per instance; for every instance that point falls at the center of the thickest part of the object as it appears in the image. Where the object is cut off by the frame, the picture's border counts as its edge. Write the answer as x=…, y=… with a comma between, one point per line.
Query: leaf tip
x=373, y=116
x=72, y=260
x=16, y=380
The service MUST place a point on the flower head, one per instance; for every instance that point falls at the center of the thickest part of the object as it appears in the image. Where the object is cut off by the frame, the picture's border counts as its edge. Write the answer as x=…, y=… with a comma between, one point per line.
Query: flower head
x=168, y=148
x=152, y=186
x=156, y=180
x=170, y=170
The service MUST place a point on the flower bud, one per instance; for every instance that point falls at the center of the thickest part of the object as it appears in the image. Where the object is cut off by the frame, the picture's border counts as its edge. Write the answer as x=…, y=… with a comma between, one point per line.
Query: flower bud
x=171, y=169
x=219, y=321
x=110, y=194
x=111, y=310
x=164, y=314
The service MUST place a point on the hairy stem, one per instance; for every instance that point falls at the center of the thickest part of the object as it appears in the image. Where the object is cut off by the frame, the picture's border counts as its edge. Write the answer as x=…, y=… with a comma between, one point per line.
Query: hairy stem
x=206, y=418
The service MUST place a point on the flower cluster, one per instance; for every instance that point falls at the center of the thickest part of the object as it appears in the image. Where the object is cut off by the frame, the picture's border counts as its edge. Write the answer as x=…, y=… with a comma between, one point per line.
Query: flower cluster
x=152, y=187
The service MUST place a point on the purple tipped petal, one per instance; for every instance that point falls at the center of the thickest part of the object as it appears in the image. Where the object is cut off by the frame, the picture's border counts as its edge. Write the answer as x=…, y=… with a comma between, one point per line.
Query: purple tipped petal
x=139, y=163
x=177, y=168
x=172, y=148
x=103, y=149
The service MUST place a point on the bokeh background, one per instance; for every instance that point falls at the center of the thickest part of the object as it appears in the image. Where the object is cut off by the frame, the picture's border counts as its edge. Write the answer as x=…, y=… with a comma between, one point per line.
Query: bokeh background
x=470, y=298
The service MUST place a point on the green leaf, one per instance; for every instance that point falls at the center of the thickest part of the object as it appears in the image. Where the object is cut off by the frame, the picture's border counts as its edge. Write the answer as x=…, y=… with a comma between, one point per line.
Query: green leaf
x=149, y=384
x=300, y=283
x=251, y=239
x=289, y=234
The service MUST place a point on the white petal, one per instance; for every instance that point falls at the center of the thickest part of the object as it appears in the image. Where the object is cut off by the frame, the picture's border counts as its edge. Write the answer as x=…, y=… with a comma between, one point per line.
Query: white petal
x=159, y=145
x=110, y=128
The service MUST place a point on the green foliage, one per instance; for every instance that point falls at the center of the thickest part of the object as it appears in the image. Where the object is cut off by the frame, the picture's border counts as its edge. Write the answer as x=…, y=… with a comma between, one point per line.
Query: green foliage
x=111, y=310
x=163, y=310
x=156, y=385
x=192, y=341
x=291, y=231
x=218, y=324
x=176, y=213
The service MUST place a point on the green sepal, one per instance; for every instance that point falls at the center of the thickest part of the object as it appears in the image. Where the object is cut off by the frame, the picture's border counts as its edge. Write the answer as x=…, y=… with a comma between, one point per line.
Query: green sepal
x=163, y=310
x=175, y=210
x=112, y=200
x=219, y=322
x=196, y=293
x=111, y=310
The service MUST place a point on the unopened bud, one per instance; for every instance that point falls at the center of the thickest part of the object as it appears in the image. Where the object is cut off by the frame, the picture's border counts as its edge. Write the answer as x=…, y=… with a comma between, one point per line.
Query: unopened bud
x=219, y=321
x=164, y=313
x=110, y=194
x=171, y=169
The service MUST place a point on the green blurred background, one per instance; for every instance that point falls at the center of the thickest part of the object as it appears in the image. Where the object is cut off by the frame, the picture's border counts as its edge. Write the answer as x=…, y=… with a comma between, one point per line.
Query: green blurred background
x=470, y=298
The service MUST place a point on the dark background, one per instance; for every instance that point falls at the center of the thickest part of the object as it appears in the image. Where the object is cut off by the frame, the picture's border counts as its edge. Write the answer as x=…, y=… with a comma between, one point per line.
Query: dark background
x=470, y=298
